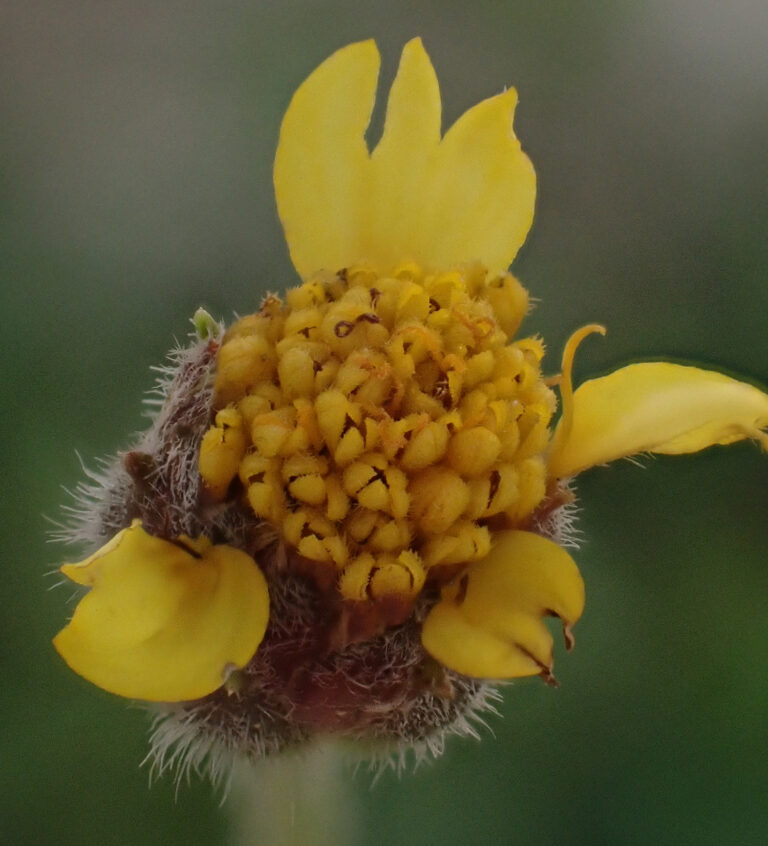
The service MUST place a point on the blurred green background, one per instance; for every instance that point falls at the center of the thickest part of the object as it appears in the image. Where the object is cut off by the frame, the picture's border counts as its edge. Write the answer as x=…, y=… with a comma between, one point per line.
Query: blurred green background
x=136, y=141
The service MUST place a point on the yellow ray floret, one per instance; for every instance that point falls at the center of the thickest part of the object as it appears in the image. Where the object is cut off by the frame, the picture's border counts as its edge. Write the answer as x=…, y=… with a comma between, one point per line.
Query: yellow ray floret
x=439, y=202
x=488, y=623
x=164, y=621
x=655, y=407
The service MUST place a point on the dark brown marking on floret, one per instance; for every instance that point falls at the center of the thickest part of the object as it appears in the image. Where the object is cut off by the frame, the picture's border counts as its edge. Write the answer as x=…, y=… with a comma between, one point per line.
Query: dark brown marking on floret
x=343, y=328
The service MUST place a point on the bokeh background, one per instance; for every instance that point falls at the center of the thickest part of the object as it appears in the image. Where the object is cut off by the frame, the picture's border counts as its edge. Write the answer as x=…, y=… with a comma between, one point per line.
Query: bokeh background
x=136, y=141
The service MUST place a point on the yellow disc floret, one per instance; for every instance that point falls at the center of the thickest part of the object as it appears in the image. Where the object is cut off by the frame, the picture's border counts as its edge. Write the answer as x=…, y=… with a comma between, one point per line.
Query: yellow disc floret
x=380, y=422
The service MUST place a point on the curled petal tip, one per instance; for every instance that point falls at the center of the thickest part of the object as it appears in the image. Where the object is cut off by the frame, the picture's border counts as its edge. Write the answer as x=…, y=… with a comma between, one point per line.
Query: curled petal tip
x=549, y=679
x=570, y=640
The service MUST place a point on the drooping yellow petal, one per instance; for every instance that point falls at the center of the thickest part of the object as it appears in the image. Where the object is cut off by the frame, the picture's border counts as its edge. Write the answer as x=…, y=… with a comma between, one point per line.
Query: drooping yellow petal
x=467, y=198
x=164, y=621
x=488, y=624
x=321, y=164
x=655, y=407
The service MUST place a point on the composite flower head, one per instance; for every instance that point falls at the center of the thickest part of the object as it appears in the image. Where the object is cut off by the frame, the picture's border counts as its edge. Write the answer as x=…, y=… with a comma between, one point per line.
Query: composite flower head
x=370, y=460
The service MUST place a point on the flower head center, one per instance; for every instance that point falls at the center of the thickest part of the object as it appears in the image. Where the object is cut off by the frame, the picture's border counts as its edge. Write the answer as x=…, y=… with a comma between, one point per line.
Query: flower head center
x=381, y=424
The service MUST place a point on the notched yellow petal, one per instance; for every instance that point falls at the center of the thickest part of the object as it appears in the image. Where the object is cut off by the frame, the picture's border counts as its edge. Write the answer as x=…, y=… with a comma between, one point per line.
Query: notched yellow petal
x=655, y=407
x=164, y=621
x=488, y=624
x=468, y=197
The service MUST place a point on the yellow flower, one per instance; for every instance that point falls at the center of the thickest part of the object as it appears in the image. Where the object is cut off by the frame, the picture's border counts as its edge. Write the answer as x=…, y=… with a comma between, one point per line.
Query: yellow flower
x=380, y=441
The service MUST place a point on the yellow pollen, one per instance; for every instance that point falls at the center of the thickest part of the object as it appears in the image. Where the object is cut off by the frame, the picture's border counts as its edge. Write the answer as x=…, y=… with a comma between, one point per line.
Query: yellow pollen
x=379, y=422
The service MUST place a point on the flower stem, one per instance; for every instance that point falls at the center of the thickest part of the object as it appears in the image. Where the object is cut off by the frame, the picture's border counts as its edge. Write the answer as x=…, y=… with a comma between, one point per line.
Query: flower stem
x=295, y=799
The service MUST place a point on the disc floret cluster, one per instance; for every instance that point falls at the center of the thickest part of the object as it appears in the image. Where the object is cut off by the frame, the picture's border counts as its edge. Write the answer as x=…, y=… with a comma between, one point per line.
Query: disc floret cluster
x=380, y=424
